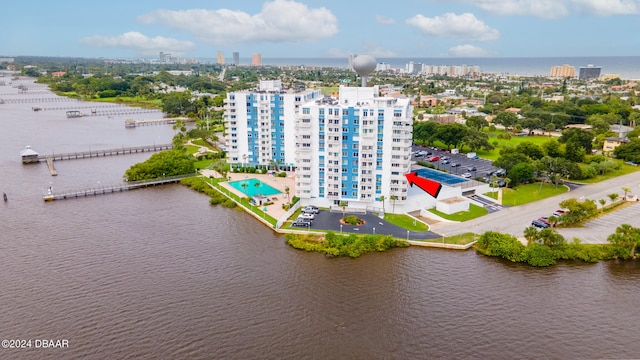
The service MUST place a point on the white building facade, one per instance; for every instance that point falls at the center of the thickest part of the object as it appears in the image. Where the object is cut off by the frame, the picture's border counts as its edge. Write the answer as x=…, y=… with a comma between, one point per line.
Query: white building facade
x=260, y=124
x=354, y=149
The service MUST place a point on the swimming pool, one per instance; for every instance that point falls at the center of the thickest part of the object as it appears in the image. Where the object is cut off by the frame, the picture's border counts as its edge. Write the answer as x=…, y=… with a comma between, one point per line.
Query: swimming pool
x=440, y=176
x=251, y=189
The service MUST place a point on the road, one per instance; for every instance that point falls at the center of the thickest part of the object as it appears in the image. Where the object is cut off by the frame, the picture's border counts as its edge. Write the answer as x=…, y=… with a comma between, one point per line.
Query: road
x=513, y=220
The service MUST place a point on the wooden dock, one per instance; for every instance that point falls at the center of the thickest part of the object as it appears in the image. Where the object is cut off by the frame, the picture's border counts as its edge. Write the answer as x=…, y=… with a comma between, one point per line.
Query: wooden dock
x=131, y=123
x=52, y=169
x=107, y=152
x=72, y=194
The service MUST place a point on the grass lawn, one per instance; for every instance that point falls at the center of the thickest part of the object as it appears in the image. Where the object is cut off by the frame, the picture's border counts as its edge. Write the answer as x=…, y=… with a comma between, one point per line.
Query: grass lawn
x=133, y=101
x=527, y=193
x=461, y=239
x=475, y=211
x=406, y=222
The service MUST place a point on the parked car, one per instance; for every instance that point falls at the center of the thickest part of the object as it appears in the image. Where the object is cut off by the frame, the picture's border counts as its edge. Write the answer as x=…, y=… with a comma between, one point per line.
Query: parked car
x=539, y=224
x=499, y=183
x=417, y=154
x=301, y=222
x=434, y=158
x=559, y=212
x=466, y=175
x=455, y=164
x=306, y=215
x=471, y=168
x=500, y=172
x=310, y=210
x=444, y=162
x=545, y=220
x=445, y=158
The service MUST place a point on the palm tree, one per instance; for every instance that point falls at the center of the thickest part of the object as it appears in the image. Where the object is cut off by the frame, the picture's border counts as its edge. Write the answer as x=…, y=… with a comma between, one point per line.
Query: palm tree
x=507, y=181
x=613, y=196
x=531, y=234
x=286, y=191
x=344, y=205
x=382, y=198
x=626, y=191
x=257, y=185
x=393, y=198
x=602, y=203
x=244, y=187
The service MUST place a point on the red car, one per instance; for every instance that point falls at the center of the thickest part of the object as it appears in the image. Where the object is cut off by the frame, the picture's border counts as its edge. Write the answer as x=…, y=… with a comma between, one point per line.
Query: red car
x=434, y=159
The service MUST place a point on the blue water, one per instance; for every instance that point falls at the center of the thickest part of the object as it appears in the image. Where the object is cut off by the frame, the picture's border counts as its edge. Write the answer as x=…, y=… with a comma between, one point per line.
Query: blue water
x=627, y=66
x=440, y=176
x=252, y=189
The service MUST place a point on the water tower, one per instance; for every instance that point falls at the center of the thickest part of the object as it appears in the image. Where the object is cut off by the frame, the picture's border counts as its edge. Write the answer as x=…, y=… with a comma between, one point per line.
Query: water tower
x=364, y=65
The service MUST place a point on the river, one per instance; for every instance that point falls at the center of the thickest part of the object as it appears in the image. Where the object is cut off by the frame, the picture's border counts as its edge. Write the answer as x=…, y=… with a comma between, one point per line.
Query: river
x=158, y=273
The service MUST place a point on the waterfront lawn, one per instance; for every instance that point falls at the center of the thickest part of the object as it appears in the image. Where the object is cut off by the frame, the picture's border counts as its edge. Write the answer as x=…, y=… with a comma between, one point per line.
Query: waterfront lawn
x=406, y=222
x=460, y=239
x=475, y=211
x=138, y=101
x=527, y=193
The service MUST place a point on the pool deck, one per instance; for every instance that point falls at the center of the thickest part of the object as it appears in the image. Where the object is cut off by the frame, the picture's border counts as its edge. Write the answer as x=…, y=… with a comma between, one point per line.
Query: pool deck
x=275, y=210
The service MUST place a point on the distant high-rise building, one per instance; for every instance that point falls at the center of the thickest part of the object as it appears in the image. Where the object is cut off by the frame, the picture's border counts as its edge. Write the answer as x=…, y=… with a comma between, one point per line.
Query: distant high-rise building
x=589, y=72
x=236, y=58
x=256, y=60
x=220, y=58
x=564, y=71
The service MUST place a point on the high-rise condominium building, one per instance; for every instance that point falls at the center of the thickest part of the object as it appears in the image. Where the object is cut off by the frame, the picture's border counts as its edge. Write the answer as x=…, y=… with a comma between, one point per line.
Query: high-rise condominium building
x=353, y=148
x=220, y=58
x=260, y=124
x=564, y=71
x=589, y=72
x=256, y=60
x=236, y=58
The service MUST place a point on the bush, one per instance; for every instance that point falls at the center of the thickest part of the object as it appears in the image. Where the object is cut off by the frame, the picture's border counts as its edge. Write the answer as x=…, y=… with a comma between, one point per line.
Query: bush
x=351, y=220
x=282, y=174
x=503, y=245
x=539, y=255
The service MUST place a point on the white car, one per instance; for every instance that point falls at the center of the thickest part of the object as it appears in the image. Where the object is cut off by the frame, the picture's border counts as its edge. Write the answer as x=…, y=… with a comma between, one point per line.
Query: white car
x=306, y=216
x=466, y=175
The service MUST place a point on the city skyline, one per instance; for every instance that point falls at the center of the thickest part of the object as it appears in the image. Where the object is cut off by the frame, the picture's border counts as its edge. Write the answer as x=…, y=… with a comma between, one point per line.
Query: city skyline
x=313, y=28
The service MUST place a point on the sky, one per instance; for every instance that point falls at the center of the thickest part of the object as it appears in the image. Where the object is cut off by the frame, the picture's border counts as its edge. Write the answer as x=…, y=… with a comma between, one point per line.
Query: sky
x=323, y=28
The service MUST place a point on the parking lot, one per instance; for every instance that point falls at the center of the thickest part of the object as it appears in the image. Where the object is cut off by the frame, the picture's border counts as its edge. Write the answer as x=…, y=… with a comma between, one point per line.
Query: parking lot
x=482, y=167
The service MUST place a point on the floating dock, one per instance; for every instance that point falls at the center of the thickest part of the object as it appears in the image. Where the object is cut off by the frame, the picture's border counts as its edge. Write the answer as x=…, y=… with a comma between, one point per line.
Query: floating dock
x=131, y=123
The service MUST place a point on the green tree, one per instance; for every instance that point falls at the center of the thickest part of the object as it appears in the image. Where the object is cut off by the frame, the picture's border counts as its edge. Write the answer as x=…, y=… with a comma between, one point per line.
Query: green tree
x=613, y=197
x=476, y=122
x=530, y=149
x=574, y=151
x=629, y=151
x=521, y=173
x=583, y=137
x=626, y=236
x=626, y=191
x=552, y=148
x=506, y=119
x=393, y=199
x=531, y=234
x=549, y=128
x=382, y=199
x=477, y=140
x=509, y=159
x=451, y=134
x=578, y=212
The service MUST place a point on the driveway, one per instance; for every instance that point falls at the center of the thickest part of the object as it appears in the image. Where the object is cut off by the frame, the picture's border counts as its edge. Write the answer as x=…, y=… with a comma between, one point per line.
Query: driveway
x=326, y=220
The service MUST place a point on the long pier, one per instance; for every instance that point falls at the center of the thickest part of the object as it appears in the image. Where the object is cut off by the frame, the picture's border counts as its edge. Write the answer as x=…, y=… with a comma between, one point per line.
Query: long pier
x=72, y=194
x=131, y=123
x=107, y=152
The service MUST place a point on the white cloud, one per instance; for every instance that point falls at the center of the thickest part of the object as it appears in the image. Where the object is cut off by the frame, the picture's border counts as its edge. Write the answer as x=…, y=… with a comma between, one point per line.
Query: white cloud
x=383, y=20
x=554, y=9
x=465, y=26
x=141, y=43
x=278, y=21
x=470, y=51
x=607, y=7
